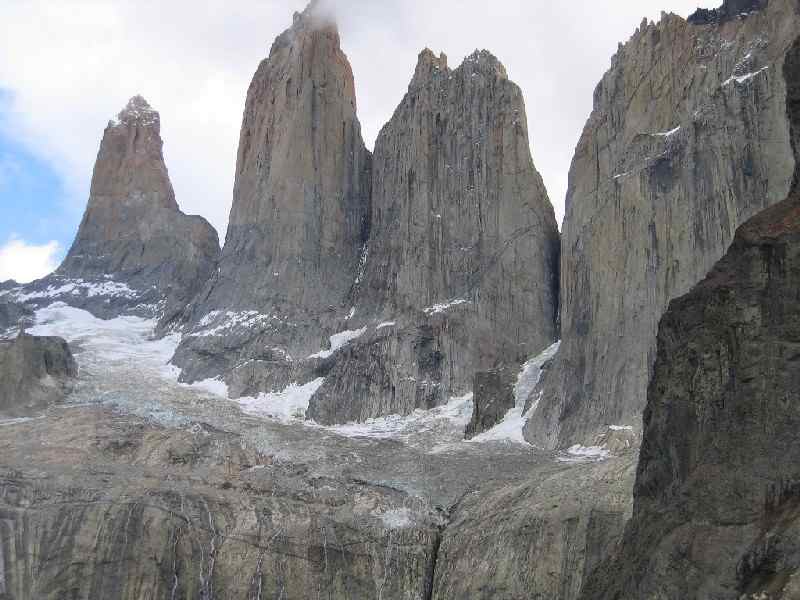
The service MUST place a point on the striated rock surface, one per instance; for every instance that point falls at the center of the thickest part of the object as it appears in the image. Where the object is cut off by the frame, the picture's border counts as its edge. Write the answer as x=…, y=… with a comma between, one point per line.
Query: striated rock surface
x=717, y=496
x=117, y=507
x=141, y=487
x=299, y=220
x=34, y=373
x=134, y=246
x=537, y=539
x=460, y=271
x=688, y=138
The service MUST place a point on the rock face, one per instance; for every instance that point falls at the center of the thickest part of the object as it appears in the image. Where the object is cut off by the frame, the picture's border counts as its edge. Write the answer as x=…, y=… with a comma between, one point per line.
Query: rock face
x=538, y=539
x=34, y=372
x=688, y=138
x=12, y=315
x=459, y=274
x=717, y=493
x=120, y=508
x=389, y=281
x=299, y=220
x=134, y=245
x=493, y=397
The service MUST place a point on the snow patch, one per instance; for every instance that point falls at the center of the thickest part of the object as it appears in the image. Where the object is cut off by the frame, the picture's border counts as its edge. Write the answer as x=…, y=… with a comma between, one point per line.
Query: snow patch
x=385, y=325
x=580, y=454
x=398, y=518
x=441, y=308
x=362, y=264
x=224, y=322
x=743, y=78
x=669, y=133
x=121, y=339
x=76, y=287
x=620, y=427
x=215, y=387
x=289, y=405
x=511, y=427
x=339, y=341
x=454, y=415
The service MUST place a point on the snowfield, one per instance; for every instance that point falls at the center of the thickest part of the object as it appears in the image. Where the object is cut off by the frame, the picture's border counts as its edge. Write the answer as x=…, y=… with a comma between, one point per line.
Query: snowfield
x=133, y=372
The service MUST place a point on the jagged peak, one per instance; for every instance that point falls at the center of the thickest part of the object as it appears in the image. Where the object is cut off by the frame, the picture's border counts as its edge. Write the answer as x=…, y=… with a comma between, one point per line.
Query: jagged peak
x=318, y=17
x=485, y=62
x=138, y=111
x=428, y=64
x=480, y=61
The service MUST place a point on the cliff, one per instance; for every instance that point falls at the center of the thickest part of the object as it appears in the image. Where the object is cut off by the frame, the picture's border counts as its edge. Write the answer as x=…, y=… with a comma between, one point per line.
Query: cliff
x=299, y=218
x=716, y=495
x=34, y=373
x=687, y=140
x=460, y=270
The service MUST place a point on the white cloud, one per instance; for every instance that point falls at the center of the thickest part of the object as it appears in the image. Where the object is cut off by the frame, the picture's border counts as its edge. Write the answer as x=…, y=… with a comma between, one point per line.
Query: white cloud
x=25, y=262
x=72, y=65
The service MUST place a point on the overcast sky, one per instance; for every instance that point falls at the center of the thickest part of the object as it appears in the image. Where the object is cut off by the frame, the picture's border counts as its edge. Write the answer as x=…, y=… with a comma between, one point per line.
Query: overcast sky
x=68, y=66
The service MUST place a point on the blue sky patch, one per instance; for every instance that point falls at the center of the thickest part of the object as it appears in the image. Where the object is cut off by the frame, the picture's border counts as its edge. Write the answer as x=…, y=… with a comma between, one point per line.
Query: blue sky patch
x=33, y=199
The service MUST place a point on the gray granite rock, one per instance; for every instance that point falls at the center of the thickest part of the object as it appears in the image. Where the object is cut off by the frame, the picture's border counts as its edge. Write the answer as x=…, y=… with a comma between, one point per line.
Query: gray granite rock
x=716, y=496
x=12, y=316
x=538, y=539
x=688, y=138
x=463, y=248
x=299, y=220
x=116, y=507
x=134, y=246
x=493, y=397
x=34, y=373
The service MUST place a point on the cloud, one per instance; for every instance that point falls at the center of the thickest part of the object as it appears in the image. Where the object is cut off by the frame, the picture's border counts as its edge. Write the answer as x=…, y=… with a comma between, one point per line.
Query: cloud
x=25, y=262
x=73, y=65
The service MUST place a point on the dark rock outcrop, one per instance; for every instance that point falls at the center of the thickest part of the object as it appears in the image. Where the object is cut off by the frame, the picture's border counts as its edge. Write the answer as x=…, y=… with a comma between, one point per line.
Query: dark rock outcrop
x=299, y=218
x=717, y=493
x=34, y=373
x=12, y=316
x=134, y=246
x=688, y=139
x=493, y=397
x=460, y=271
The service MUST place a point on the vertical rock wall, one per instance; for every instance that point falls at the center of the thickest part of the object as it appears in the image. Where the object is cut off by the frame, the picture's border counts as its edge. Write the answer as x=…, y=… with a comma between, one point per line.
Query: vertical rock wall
x=463, y=249
x=717, y=495
x=299, y=219
x=688, y=138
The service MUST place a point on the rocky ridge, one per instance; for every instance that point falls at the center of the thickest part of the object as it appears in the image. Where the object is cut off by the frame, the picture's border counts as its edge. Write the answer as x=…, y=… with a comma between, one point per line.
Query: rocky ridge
x=688, y=138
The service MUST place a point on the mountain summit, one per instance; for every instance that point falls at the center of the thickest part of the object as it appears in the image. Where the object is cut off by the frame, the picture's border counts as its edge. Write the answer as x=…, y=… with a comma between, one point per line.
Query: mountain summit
x=132, y=230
